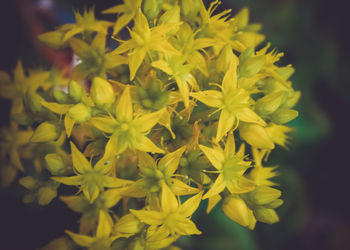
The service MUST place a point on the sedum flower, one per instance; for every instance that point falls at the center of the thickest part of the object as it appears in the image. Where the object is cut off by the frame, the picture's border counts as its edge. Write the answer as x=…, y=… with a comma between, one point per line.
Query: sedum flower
x=230, y=166
x=127, y=12
x=91, y=180
x=144, y=40
x=233, y=102
x=127, y=130
x=103, y=237
x=173, y=217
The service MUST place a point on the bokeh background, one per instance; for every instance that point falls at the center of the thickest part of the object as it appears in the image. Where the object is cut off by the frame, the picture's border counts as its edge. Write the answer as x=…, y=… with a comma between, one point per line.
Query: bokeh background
x=314, y=35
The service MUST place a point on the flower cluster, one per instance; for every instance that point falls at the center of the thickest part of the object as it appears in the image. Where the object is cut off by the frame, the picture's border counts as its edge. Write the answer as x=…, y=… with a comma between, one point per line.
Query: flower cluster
x=185, y=108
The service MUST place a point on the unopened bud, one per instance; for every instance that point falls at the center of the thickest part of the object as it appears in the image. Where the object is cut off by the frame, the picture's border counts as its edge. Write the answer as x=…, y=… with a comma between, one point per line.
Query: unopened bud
x=75, y=91
x=60, y=96
x=264, y=194
x=237, y=210
x=251, y=66
x=28, y=182
x=190, y=9
x=53, y=39
x=102, y=92
x=255, y=135
x=274, y=204
x=282, y=116
x=55, y=164
x=151, y=8
x=266, y=215
x=79, y=113
x=242, y=18
x=269, y=103
x=46, y=194
x=45, y=132
x=170, y=16
x=33, y=101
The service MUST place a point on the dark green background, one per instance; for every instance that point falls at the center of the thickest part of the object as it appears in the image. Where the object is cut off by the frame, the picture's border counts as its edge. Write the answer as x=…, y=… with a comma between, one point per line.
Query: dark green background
x=314, y=172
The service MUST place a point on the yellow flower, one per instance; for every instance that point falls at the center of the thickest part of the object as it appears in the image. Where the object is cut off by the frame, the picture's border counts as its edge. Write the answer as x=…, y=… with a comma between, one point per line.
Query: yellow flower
x=94, y=59
x=173, y=217
x=92, y=181
x=230, y=167
x=12, y=140
x=90, y=211
x=233, y=102
x=127, y=131
x=103, y=237
x=259, y=174
x=128, y=11
x=85, y=22
x=143, y=40
x=154, y=174
x=16, y=89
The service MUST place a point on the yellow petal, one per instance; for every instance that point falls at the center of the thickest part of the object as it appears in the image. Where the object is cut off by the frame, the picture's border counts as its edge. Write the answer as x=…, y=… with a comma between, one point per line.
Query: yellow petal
x=149, y=217
x=145, y=160
x=230, y=79
x=190, y=205
x=213, y=200
x=71, y=180
x=81, y=240
x=215, y=156
x=105, y=124
x=248, y=115
x=124, y=108
x=56, y=107
x=146, y=145
x=162, y=65
x=104, y=227
x=146, y=122
x=183, y=89
x=80, y=163
x=230, y=147
x=211, y=98
x=169, y=163
x=216, y=188
x=68, y=125
x=168, y=200
x=135, y=60
x=226, y=122
x=180, y=188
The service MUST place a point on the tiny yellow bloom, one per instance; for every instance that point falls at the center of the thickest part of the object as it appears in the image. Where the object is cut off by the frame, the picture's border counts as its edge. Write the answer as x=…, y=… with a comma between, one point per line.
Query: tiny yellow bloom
x=230, y=166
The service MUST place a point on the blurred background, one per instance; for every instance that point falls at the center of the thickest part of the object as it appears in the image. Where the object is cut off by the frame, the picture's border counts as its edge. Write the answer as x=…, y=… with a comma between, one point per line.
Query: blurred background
x=314, y=172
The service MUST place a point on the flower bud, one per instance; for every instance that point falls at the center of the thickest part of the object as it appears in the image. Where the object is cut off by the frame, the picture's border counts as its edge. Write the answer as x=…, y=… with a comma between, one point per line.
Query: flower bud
x=237, y=210
x=28, y=182
x=291, y=100
x=33, y=101
x=282, y=116
x=269, y=103
x=46, y=194
x=255, y=135
x=45, y=132
x=53, y=39
x=55, y=164
x=242, y=18
x=60, y=96
x=75, y=91
x=285, y=72
x=190, y=9
x=170, y=16
x=79, y=113
x=266, y=215
x=263, y=195
x=151, y=8
x=102, y=92
x=274, y=204
x=225, y=58
x=251, y=66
